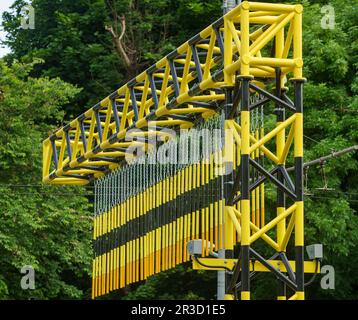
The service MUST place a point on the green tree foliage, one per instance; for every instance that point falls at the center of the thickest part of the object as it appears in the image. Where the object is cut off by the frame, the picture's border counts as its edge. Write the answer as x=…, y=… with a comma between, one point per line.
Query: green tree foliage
x=45, y=227
x=331, y=121
x=72, y=39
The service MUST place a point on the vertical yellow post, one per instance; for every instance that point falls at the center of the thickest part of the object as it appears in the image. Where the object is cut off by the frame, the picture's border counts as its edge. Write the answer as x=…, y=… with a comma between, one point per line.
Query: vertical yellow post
x=122, y=267
x=297, y=42
x=228, y=78
x=94, y=263
x=280, y=143
x=46, y=156
x=229, y=164
x=245, y=39
x=94, y=278
x=298, y=151
x=279, y=43
x=108, y=270
x=299, y=215
x=103, y=291
x=245, y=202
x=280, y=206
x=245, y=149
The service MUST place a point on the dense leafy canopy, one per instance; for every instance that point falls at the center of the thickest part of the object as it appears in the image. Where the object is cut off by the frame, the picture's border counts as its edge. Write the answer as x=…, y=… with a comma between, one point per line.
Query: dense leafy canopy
x=40, y=226
x=50, y=229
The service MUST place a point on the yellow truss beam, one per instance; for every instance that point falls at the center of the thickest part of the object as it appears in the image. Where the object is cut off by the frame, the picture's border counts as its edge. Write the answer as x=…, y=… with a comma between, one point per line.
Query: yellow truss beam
x=243, y=33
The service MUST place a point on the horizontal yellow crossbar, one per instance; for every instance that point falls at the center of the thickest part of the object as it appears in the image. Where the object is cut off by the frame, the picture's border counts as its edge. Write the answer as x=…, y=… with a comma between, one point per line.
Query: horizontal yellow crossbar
x=219, y=264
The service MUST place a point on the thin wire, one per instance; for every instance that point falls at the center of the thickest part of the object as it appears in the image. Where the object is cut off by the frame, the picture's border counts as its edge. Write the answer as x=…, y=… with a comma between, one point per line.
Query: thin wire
x=47, y=194
x=202, y=196
x=311, y=139
x=34, y=185
x=330, y=198
x=123, y=188
x=72, y=194
x=341, y=192
x=332, y=150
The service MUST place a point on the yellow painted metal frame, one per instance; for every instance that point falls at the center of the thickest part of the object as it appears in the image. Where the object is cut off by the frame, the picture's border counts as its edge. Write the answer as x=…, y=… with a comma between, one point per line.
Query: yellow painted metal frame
x=247, y=29
x=87, y=145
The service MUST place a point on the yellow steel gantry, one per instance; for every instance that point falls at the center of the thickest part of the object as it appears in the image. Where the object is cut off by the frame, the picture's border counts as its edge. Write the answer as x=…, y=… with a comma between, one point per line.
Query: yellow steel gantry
x=237, y=57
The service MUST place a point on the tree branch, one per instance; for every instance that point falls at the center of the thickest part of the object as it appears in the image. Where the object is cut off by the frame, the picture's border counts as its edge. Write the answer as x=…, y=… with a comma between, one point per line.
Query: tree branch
x=118, y=42
x=123, y=23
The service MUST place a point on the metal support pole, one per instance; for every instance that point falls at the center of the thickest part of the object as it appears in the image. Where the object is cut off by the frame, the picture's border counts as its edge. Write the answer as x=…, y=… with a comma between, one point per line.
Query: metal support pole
x=224, y=280
x=221, y=278
x=245, y=192
x=228, y=184
x=221, y=282
x=280, y=201
x=299, y=215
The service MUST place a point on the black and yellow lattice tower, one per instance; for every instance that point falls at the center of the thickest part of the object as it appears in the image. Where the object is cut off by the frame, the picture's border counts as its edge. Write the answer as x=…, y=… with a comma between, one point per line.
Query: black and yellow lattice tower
x=225, y=79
